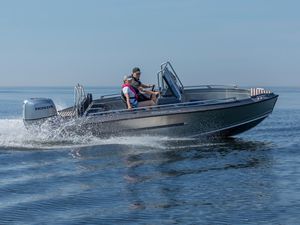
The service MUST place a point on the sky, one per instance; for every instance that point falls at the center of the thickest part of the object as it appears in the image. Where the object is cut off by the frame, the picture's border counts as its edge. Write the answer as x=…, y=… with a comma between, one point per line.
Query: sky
x=97, y=42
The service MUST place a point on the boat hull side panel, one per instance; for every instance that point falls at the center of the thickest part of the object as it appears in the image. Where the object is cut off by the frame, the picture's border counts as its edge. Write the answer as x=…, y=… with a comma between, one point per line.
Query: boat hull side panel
x=226, y=121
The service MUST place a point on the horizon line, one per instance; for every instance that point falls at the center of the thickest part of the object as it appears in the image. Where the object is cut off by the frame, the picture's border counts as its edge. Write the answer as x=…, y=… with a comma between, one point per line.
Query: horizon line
x=115, y=86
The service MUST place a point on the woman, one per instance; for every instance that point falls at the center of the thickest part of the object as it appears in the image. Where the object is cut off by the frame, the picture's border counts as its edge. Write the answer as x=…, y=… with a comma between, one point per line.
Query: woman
x=131, y=97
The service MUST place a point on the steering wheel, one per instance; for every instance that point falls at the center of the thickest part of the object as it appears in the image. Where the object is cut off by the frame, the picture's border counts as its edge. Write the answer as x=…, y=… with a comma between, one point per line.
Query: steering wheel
x=153, y=86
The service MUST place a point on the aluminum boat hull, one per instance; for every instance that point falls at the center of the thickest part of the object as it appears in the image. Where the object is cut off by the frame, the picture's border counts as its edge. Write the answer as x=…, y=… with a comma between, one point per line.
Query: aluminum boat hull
x=224, y=119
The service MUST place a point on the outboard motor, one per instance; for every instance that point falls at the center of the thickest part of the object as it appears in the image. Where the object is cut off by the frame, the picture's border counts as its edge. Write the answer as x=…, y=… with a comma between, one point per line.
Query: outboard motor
x=37, y=109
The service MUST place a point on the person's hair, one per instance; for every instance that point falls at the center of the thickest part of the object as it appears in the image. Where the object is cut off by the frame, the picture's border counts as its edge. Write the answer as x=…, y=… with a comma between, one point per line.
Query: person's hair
x=136, y=69
x=126, y=77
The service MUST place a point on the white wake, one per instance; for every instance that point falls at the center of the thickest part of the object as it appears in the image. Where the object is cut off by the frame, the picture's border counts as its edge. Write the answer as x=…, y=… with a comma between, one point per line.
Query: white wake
x=14, y=135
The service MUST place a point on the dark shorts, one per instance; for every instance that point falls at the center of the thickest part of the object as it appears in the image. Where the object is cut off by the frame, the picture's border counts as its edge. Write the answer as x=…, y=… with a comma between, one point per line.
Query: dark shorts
x=142, y=98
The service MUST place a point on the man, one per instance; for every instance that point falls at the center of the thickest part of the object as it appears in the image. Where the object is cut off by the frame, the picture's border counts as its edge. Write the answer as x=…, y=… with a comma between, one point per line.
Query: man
x=140, y=87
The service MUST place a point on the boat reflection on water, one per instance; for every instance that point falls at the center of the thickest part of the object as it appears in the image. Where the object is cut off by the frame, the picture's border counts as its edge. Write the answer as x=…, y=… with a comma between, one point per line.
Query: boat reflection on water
x=215, y=173
x=167, y=151
x=218, y=154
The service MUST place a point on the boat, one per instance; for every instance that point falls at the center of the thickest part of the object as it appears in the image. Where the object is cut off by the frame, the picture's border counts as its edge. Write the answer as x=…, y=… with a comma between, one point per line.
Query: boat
x=181, y=111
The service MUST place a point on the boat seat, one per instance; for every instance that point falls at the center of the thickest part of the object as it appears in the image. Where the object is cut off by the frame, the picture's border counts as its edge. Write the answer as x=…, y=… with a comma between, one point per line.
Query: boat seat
x=170, y=80
x=173, y=93
x=85, y=103
x=123, y=99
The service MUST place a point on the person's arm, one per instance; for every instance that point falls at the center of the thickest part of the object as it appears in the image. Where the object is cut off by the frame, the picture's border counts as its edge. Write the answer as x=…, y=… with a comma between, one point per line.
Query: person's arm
x=146, y=85
x=128, y=101
x=151, y=92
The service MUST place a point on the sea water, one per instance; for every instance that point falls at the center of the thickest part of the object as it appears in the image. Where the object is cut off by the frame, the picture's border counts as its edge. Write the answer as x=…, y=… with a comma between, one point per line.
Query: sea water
x=253, y=178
